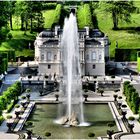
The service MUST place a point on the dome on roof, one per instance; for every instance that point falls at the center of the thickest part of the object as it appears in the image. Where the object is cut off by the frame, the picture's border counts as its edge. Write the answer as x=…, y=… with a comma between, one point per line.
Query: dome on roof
x=46, y=34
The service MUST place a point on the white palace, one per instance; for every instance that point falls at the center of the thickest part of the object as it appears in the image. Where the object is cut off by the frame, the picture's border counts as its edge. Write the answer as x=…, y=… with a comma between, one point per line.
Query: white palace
x=94, y=51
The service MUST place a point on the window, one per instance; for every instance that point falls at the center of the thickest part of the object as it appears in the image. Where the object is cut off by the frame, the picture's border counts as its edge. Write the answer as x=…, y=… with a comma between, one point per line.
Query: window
x=42, y=56
x=49, y=66
x=55, y=57
x=94, y=66
x=93, y=55
x=49, y=54
x=87, y=56
x=100, y=56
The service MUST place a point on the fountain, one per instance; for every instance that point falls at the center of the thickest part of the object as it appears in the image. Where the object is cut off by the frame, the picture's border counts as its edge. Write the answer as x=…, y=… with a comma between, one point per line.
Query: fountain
x=71, y=71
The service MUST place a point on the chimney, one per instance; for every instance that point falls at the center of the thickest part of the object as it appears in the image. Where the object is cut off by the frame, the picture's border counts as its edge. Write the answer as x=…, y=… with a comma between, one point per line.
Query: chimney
x=87, y=31
x=56, y=31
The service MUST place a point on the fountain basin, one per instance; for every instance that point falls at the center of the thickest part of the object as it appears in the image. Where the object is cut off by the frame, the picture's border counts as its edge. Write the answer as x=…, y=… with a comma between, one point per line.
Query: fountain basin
x=98, y=115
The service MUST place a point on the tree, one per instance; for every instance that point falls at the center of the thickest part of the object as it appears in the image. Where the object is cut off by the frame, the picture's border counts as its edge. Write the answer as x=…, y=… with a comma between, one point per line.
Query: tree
x=3, y=19
x=21, y=10
x=120, y=10
x=30, y=13
x=11, y=10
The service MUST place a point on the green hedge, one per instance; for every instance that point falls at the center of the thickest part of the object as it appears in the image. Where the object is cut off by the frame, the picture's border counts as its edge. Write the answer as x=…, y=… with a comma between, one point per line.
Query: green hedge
x=132, y=97
x=138, y=61
x=1, y=119
x=88, y=16
x=84, y=16
x=11, y=54
x=57, y=14
x=10, y=94
x=126, y=54
x=11, y=105
x=3, y=62
x=48, y=6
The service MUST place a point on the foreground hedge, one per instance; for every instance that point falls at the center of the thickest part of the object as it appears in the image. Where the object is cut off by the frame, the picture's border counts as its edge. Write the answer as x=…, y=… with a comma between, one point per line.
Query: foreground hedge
x=132, y=97
x=1, y=119
x=11, y=54
x=11, y=94
x=126, y=54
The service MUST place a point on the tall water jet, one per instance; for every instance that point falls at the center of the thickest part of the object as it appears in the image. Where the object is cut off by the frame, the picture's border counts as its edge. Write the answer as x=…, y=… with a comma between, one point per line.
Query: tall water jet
x=71, y=71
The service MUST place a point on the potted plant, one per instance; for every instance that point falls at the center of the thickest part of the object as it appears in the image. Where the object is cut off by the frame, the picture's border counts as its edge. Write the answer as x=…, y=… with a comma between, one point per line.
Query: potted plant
x=85, y=96
x=131, y=119
x=101, y=92
x=9, y=122
x=17, y=112
x=47, y=134
x=115, y=97
x=110, y=132
x=41, y=92
x=90, y=134
x=56, y=96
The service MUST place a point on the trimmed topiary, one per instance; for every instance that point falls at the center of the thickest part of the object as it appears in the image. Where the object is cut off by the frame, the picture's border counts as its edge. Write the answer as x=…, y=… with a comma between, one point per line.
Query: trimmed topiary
x=17, y=106
x=47, y=134
x=131, y=118
x=124, y=106
x=9, y=116
x=28, y=90
x=113, y=76
x=23, y=97
x=90, y=134
x=111, y=124
x=120, y=97
x=29, y=123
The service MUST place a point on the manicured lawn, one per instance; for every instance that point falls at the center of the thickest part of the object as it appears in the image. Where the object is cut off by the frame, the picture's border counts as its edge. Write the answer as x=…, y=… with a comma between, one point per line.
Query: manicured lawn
x=20, y=43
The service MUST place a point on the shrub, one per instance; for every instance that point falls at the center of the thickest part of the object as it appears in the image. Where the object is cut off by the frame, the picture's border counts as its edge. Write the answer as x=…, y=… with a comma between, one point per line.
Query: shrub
x=10, y=36
x=29, y=123
x=11, y=105
x=124, y=106
x=95, y=76
x=90, y=134
x=28, y=90
x=9, y=116
x=111, y=124
x=10, y=97
x=120, y=97
x=132, y=97
x=113, y=76
x=17, y=106
x=131, y=118
x=23, y=97
x=48, y=134
x=29, y=76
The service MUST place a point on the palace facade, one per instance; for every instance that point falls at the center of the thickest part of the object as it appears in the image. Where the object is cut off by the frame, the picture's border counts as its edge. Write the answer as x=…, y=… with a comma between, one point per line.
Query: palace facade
x=94, y=51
